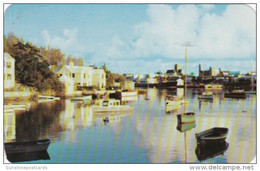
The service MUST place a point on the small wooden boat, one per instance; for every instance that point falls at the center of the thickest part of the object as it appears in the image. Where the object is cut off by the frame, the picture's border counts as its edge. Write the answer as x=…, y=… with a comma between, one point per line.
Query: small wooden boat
x=185, y=127
x=109, y=106
x=184, y=118
x=211, y=149
x=206, y=95
x=31, y=156
x=26, y=147
x=236, y=94
x=213, y=134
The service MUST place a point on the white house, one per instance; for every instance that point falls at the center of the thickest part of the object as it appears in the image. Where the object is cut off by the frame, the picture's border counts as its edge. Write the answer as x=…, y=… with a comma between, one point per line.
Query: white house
x=83, y=76
x=9, y=71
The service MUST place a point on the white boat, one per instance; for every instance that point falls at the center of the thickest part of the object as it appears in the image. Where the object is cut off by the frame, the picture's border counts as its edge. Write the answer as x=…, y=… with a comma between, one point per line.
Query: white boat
x=213, y=86
x=127, y=93
x=172, y=103
x=206, y=95
x=112, y=105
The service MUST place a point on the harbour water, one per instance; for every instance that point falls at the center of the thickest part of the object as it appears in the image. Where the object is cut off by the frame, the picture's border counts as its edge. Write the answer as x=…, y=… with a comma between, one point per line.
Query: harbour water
x=145, y=135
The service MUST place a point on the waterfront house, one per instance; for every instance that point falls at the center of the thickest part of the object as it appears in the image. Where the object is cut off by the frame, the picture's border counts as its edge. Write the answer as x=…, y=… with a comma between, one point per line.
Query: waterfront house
x=83, y=76
x=9, y=71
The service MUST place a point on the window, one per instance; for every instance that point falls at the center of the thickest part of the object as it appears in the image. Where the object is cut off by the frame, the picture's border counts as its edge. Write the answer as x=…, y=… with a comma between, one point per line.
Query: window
x=8, y=64
x=73, y=75
x=84, y=75
x=9, y=76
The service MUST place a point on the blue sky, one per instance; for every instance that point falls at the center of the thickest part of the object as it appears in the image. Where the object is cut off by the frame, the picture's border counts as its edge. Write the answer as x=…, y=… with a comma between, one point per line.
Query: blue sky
x=141, y=38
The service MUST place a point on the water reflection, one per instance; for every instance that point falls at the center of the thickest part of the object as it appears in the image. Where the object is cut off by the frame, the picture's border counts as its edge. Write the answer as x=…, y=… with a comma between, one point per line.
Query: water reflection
x=145, y=135
x=211, y=149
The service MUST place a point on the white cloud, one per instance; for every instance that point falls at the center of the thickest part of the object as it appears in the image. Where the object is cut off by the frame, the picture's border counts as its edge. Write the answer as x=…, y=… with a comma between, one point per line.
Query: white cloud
x=231, y=34
x=222, y=37
x=68, y=43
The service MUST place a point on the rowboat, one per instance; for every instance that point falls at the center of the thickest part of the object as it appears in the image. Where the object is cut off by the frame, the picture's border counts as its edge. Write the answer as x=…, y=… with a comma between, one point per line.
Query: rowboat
x=185, y=127
x=31, y=156
x=213, y=134
x=112, y=105
x=26, y=147
x=236, y=94
x=211, y=149
x=184, y=118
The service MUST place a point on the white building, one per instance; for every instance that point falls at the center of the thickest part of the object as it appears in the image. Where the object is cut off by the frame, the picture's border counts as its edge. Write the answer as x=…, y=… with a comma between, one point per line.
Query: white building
x=83, y=76
x=9, y=71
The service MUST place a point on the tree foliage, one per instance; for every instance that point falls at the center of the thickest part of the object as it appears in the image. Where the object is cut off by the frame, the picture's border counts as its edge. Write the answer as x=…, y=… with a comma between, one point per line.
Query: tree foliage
x=32, y=64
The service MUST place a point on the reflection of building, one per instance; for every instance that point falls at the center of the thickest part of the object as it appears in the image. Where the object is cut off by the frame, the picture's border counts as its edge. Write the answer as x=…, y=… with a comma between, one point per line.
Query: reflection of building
x=76, y=114
x=9, y=71
x=9, y=126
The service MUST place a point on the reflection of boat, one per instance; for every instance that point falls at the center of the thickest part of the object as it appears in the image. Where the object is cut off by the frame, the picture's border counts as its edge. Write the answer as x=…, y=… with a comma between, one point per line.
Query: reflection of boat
x=235, y=94
x=14, y=107
x=211, y=149
x=213, y=134
x=26, y=147
x=84, y=98
x=188, y=117
x=172, y=103
x=185, y=127
x=111, y=105
x=206, y=95
x=20, y=157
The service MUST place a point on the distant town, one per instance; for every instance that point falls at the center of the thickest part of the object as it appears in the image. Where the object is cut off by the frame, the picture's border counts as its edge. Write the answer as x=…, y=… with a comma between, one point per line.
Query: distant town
x=78, y=80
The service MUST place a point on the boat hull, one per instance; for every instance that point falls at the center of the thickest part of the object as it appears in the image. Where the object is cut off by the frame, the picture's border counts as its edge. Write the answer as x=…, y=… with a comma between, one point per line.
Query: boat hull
x=111, y=109
x=26, y=147
x=235, y=95
x=211, y=135
x=186, y=118
x=186, y=127
x=172, y=105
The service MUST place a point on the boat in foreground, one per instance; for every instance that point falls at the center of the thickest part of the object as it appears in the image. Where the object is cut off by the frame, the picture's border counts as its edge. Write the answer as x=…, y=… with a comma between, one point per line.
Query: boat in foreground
x=213, y=134
x=236, y=94
x=184, y=118
x=26, y=147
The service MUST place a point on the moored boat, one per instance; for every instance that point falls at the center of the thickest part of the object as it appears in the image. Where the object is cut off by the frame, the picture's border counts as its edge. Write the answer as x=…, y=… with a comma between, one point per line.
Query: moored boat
x=111, y=105
x=26, y=147
x=235, y=94
x=187, y=117
x=186, y=126
x=172, y=103
x=213, y=134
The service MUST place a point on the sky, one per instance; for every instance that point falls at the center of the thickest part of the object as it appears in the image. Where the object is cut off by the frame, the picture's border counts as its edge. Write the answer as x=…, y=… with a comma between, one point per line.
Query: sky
x=142, y=38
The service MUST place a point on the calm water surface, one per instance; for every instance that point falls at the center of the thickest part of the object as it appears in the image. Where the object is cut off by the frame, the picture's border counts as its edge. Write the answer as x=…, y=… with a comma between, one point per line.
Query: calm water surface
x=145, y=135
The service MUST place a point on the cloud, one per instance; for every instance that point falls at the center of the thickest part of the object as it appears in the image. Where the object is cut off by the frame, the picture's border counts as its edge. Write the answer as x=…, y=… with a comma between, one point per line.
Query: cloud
x=231, y=34
x=68, y=43
x=219, y=37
